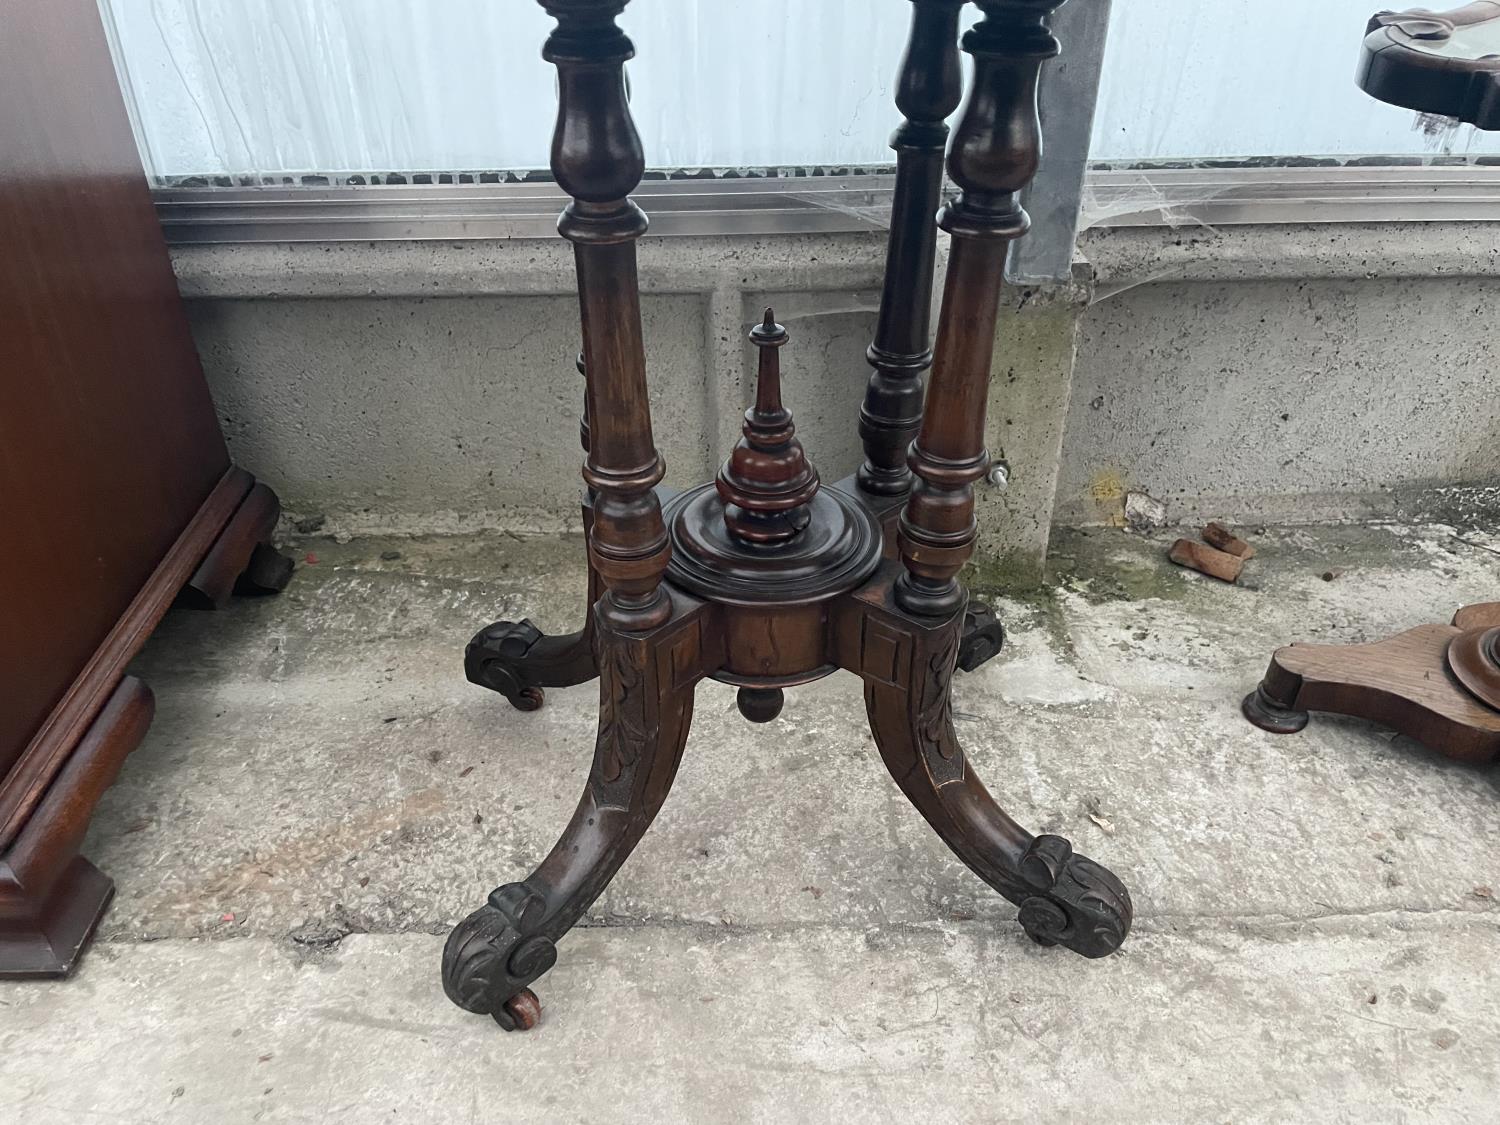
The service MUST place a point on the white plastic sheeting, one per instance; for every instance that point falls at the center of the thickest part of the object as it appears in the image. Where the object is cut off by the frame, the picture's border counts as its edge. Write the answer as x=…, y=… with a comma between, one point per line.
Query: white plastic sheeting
x=1238, y=78
x=277, y=87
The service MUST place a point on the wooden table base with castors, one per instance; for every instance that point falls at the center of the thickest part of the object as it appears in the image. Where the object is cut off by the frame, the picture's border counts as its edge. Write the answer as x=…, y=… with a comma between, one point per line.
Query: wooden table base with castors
x=765, y=578
x=1440, y=684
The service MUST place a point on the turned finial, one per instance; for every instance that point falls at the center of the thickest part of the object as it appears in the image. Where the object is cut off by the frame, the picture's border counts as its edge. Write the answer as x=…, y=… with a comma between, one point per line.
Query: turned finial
x=767, y=482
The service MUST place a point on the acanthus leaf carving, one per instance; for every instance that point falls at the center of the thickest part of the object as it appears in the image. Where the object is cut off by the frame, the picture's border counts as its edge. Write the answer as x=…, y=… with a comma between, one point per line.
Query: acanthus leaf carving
x=624, y=726
x=941, y=753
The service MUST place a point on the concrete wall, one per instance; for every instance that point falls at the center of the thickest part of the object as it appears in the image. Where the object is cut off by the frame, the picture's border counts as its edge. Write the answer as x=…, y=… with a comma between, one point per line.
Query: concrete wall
x=1284, y=374
x=429, y=386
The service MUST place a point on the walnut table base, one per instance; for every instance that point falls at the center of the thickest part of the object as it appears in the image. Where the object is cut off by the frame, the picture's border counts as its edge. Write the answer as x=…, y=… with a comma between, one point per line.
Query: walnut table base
x=766, y=578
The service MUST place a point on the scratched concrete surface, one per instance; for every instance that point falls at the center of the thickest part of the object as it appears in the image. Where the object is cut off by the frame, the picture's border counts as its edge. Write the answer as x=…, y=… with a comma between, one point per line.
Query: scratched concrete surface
x=322, y=795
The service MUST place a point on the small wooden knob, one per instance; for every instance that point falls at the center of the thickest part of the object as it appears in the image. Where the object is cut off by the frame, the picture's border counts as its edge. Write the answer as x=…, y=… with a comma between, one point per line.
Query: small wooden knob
x=760, y=705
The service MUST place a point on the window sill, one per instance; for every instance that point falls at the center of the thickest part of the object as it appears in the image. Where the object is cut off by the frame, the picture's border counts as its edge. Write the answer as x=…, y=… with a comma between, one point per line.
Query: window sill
x=1143, y=197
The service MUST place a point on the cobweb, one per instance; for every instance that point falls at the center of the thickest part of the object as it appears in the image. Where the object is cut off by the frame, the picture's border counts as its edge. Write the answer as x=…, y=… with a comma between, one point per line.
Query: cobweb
x=1443, y=135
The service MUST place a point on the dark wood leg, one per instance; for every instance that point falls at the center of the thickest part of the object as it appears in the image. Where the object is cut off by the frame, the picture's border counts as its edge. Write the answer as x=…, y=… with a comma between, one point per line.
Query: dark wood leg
x=994, y=155
x=51, y=898
x=1439, y=684
x=647, y=639
x=907, y=663
x=518, y=660
x=598, y=160
x=242, y=559
x=927, y=92
x=646, y=681
x=983, y=636
x=995, y=151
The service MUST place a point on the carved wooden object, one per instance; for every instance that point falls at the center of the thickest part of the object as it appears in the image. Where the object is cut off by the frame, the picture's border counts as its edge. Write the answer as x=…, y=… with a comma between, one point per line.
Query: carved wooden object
x=767, y=483
x=765, y=578
x=1440, y=684
x=1444, y=63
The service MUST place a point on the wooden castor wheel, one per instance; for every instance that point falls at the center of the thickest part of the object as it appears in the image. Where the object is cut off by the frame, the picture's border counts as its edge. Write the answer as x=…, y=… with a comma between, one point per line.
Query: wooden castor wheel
x=521, y=1012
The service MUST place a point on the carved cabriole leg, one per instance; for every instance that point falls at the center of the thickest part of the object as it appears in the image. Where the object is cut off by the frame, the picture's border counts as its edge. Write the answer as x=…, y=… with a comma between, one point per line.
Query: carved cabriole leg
x=907, y=664
x=646, y=681
x=983, y=636
x=927, y=92
x=517, y=659
x=994, y=155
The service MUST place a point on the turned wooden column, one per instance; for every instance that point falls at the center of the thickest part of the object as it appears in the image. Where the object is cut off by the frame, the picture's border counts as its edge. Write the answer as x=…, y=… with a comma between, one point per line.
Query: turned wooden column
x=598, y=160
x=995, y=152
x=927, y=93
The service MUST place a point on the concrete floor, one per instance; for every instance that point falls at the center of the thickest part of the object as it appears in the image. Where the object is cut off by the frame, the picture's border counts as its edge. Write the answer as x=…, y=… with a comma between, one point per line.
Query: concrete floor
x=322, y=795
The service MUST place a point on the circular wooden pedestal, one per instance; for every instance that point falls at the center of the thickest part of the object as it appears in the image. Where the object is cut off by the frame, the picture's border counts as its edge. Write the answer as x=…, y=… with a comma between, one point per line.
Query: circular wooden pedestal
x=837, y=550
x=1474, y=657
x=774, y=597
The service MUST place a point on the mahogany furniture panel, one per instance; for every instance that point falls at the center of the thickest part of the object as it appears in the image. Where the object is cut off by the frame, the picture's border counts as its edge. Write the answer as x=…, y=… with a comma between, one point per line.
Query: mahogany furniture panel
x=767, y=578
x=116, y=489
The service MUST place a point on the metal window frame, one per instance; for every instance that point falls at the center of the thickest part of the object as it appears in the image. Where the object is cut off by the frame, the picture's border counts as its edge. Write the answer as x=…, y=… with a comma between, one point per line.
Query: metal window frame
x=801, y=205
x=1112, y=197
x=1217, y=196
x=1067, y=195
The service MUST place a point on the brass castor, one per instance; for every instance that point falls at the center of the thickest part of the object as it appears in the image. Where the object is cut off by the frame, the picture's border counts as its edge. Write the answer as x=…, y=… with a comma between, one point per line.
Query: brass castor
x=521, y=1012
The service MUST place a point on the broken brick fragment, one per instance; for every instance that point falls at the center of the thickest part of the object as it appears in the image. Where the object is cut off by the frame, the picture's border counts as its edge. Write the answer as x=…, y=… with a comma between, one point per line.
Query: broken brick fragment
x=1206, y=560
x=1217, y=535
